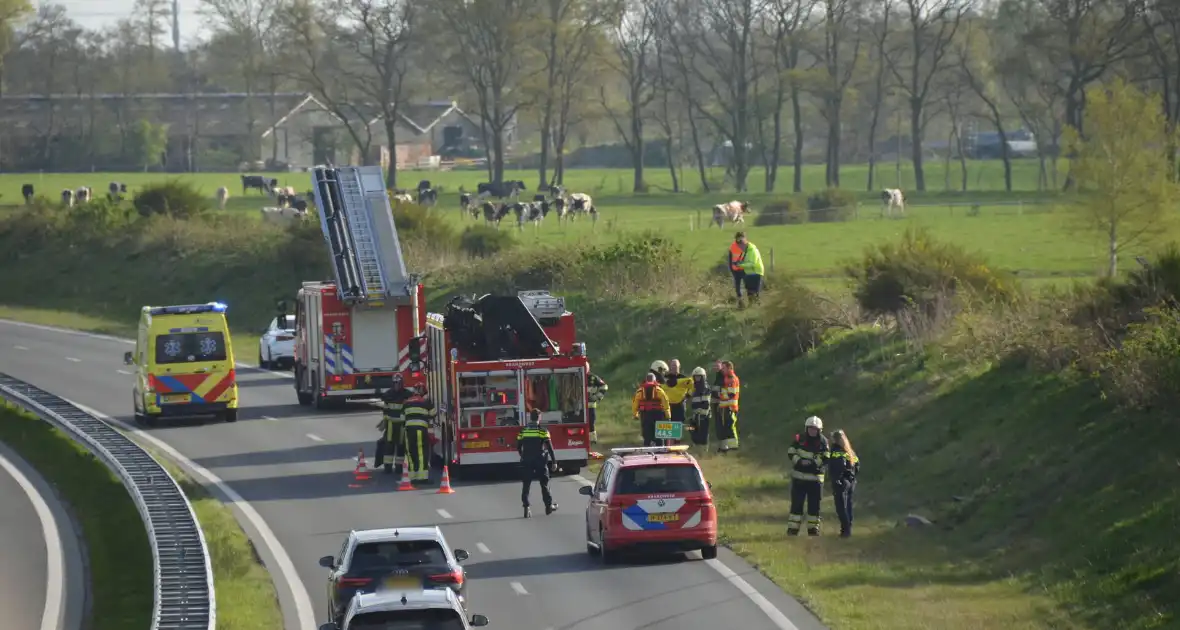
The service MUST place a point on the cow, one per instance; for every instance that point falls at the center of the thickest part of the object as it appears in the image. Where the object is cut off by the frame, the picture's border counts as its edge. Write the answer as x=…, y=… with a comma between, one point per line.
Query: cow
x=501, y=190
x=493, y=214
x=259, y=183
x=581, y=202
x=26, y=191
x=424, y=185
x=67, y=197
x=734, y=212
x=281, y=215
x=892, y=198
x=403, y=198
x=299, y=204
x=283, y=200
x=222, y=197
x=562, y=208
x=83, y=194
x=556, y=191
x=115, y=191
x=466, y=206
x=427, y=197
x=531, y=212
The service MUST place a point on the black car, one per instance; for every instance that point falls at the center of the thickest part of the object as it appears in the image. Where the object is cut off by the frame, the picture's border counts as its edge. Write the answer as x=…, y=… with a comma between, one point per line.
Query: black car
x=379, y=560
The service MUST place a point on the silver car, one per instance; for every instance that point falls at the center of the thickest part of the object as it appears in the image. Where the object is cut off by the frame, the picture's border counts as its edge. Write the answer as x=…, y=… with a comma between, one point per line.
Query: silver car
x=407, y=610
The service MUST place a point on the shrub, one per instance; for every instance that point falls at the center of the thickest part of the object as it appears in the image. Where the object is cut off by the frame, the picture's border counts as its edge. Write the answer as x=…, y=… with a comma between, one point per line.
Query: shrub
x=831, y=205
x=483, y=240
x=797, y=319
x=172, y=198
x=920, y=273
x=785, y=212
x=1145, y=369
x=1114, y=304
x=415, y=222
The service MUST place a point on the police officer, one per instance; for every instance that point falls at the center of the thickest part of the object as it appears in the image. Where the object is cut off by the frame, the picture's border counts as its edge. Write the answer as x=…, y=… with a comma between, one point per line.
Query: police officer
x=843, y=466
x=596, y=390
x=700, y=402
x=417, y=410
x=536, y=459
x=392, y=426
x=649, y=406
x=809, y=453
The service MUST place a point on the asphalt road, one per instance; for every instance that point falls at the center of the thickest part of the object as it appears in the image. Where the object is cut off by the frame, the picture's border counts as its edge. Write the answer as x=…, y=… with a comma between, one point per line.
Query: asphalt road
x=23, y=573
x=294, y=466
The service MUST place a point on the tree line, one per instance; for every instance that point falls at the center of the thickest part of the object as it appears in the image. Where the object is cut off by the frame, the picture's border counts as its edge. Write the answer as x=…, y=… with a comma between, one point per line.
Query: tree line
x=762, y=83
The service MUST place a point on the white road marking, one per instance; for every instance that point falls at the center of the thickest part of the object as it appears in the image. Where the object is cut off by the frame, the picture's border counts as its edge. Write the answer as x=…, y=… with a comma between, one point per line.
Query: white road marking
x=519, y=588
x=285, y=573
x=73, y=359
x=776, y=616
x=482, y=547
x=314, y=438
x=124, y=372
x=54, y=554
x=20, y=347
x=443, y=513
x=270, y=418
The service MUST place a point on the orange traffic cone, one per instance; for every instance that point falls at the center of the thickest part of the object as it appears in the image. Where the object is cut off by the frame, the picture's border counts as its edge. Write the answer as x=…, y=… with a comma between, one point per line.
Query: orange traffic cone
x=445, y=487
x=359, y=473
x=405, y=484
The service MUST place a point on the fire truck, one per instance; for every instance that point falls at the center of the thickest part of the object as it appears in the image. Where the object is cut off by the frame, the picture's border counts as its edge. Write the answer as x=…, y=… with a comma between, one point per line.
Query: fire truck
x=492, y=361
x=354, y=333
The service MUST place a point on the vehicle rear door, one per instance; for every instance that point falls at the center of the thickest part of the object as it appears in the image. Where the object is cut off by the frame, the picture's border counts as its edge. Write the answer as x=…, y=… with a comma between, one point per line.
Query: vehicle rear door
x=660, y=496
x=400, y=565
x=192, y=363
x=596, y=511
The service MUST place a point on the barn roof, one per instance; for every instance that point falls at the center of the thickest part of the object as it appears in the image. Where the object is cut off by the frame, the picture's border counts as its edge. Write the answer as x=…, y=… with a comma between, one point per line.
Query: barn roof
x=417, y=117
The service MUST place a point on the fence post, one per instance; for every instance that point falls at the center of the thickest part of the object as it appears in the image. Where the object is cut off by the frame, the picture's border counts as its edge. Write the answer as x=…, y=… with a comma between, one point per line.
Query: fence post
x=698, y=218
x=772, y=259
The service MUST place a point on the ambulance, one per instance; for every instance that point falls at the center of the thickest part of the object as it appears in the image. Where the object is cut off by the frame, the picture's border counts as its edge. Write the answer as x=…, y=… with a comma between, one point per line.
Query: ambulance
x=184, y=363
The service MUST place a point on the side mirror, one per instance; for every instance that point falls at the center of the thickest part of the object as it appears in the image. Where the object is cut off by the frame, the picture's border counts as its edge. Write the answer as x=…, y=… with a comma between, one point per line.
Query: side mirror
x=329, y=626
x=461, y=555
x=586, y=491
x=710, y=484
x=478, y=621
x=328, y=562
x=128, y=358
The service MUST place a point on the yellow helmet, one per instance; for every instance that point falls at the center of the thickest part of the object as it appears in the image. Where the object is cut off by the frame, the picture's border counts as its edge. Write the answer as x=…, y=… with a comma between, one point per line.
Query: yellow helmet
x=699, y=371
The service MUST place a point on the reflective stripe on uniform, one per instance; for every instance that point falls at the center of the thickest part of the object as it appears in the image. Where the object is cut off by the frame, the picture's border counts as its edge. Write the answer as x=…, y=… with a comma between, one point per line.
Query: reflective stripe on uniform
x=533, y=433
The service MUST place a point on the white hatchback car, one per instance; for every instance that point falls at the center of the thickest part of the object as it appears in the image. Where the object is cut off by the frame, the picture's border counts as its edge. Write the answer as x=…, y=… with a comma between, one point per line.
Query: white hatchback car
x=277, y=346
x=412, y=610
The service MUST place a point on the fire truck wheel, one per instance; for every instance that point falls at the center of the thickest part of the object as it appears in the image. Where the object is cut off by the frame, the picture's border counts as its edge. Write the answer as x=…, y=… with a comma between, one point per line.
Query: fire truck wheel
x=321, y=402
x=304, y=398
x=571, y=470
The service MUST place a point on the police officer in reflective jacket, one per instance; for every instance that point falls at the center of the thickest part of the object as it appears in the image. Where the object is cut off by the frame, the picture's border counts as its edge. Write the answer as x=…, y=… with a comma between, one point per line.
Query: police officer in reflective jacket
x=809, y=454
x=392, y=426
x=536, y=458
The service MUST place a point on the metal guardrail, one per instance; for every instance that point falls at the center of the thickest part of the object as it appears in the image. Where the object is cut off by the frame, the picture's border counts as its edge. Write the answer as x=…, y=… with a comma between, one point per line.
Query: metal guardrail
x=184, y=597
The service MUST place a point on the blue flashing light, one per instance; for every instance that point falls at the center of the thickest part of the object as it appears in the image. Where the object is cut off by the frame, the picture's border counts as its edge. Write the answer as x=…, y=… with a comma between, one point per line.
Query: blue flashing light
x=187, y=309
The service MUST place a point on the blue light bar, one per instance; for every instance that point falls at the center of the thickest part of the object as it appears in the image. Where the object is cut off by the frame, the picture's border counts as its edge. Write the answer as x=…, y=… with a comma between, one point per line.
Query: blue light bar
x=187, y=309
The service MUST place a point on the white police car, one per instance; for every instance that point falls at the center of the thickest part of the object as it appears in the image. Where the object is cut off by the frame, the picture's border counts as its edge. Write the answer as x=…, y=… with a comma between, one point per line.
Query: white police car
x=276, y=347
x=407, y=610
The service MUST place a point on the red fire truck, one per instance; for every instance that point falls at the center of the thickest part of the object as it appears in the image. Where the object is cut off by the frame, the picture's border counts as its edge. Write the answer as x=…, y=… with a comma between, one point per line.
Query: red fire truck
x=495, y=359
x=353, y=334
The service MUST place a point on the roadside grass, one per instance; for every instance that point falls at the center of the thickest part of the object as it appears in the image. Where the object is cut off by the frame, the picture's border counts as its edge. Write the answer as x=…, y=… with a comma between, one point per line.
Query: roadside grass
x=71, y=320
x=117, y=549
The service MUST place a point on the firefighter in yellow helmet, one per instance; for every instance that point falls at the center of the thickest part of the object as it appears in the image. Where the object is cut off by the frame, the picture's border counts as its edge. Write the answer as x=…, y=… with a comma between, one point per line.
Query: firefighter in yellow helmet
x=700, y=399
x=649, y=406
x=809, y=454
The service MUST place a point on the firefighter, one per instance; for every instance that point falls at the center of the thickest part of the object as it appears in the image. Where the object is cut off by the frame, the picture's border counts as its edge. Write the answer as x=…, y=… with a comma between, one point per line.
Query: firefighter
x=728, y=394
x=537, y=459
x=677, y=387
x=659, y=368
x=392, y=426
x=808, y=455
x=417, y=411
x=844, y=466
x=596, y=390
x=649, y=406
x=699, y=403
x=718, y=377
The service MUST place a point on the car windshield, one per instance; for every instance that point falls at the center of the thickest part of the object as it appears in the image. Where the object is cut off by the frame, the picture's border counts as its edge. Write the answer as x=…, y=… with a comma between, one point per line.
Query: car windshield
x=429, y=619
x=659, y=479
x=401, y=553
x=189, y=347
x=286, y=323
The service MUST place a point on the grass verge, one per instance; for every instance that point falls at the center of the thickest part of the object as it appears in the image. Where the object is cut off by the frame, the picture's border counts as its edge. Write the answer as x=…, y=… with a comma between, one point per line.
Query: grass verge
x=119, y=555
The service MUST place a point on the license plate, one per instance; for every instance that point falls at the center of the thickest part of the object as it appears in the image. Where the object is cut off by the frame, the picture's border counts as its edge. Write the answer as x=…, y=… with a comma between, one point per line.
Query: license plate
x=476, y=444
x=177, y=398
x=344, y=386
x=662, y=518
x=403, y=581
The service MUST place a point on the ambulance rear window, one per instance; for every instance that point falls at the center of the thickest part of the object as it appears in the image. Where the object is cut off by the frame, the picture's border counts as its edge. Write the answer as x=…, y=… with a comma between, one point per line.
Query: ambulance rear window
x=659, y=479
x=190, y=347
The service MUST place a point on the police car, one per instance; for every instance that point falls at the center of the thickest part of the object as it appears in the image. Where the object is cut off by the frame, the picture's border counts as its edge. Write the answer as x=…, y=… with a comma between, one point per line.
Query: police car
x=400, y=559
x=652, y=498
x=407, y=610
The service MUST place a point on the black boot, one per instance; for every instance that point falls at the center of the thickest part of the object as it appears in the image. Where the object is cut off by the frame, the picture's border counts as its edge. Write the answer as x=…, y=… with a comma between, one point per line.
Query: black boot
x=549, y=509
x=813, y=531
x=528, y=513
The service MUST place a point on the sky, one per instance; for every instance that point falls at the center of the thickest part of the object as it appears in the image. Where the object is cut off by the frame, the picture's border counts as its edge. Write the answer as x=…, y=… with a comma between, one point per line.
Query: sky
x=99, y=14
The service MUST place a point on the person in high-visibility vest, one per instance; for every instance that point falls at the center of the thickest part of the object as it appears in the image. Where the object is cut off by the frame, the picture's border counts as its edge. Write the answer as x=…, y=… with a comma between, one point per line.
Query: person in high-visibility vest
x=417, y=410
x=843, y=466
x=537, y=459
x=808, y=454
x=392, y=426
x=700, y=402
x=677, y=387
x=745, y=263
x=727, y=408
x=649, y=406
x=596, y=389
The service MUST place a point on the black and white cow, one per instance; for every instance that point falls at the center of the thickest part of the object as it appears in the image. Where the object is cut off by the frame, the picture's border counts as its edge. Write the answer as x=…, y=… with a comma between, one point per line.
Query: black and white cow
x=493, y=214
x=467, y=206
x=427, y=197
x=532, y=212
x=892, y=198
x=502, y=190
x=67, y=197
x=26, y=191
x=257, y=182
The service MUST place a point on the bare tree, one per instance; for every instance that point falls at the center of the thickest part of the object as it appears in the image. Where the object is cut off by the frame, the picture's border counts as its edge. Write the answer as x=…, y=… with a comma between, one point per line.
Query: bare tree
x=633, y=59
x=841, y=21
x=12, y=12
x=250, y=24
x=880, y=63
x=779, y=35
x=1161, y=21
x=974, y=55
x=931, y=26
x=152, y=16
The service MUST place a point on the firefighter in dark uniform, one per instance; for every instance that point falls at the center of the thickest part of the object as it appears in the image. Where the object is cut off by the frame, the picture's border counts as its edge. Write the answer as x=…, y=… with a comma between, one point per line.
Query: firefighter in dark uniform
x=417, y=411
x=595, y=391
x=677, y=387
x=649, y=406
x=536, y=461
x=392, y=426
x=700, y=401
x=809, y=454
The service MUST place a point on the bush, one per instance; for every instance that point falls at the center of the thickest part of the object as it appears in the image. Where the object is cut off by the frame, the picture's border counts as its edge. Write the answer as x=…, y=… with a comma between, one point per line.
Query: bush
x=921, y=273
x=1145, y=369
x=831, y=205
x=172, y=198
x=785, y=212
x=1114, y=304
x=482, y=241
x=797, y=319
x=416, y=222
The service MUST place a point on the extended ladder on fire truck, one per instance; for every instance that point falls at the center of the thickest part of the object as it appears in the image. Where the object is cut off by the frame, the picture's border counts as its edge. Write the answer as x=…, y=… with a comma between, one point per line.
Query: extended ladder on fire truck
x=357, y=221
